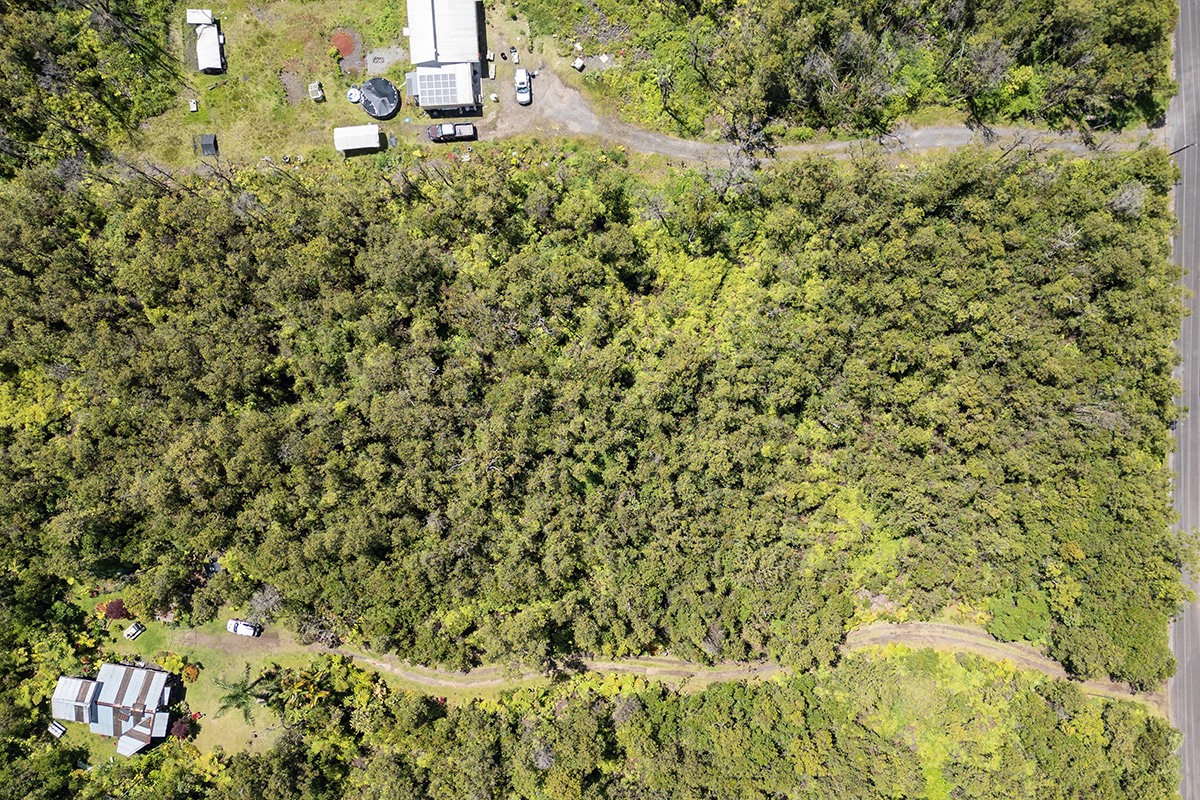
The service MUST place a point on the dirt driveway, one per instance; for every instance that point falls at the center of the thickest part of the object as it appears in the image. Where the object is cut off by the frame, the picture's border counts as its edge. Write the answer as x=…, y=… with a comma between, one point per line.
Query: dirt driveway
x=277, y=641
x=964, y=639
x=561, y=109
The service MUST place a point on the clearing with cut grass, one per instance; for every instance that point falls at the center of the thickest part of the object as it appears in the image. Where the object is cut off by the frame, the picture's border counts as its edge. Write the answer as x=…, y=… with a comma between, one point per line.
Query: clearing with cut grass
x=222, y=656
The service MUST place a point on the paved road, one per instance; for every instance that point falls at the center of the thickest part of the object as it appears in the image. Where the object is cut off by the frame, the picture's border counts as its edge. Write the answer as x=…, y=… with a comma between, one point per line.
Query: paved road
x=1184, y=118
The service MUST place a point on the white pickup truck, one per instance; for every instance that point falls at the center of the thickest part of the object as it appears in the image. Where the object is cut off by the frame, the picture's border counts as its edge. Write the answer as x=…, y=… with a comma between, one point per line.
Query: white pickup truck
x=243, y=628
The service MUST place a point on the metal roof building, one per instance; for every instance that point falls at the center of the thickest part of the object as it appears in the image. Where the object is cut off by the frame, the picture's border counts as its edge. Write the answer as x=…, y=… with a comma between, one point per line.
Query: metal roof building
x=72, y=699
x=443, y=31
x=208, y=49
x=451, y=86
x=123, y=702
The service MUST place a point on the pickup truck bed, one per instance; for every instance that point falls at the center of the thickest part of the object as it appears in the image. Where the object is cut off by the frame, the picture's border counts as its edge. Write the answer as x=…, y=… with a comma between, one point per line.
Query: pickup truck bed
x=452, y=132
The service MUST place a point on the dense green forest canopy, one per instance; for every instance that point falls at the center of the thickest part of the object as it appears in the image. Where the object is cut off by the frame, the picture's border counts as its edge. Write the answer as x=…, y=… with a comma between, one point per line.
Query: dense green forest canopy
x=78, y=75
x=537, y=405
x=858, y=66
x=898, y=724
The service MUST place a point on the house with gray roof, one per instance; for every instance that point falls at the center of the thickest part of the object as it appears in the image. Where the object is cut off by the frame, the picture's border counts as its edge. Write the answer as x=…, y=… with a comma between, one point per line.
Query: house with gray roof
x=444, y=46
x=123, y=701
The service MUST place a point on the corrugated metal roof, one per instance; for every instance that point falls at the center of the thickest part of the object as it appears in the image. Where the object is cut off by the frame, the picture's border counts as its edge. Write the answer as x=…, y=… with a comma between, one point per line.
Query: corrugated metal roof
x=443, y=31
x=136, y=738
x=199, y=16
x=103, y=722
x=72, y=699
x=160, y=724
x=128, y=697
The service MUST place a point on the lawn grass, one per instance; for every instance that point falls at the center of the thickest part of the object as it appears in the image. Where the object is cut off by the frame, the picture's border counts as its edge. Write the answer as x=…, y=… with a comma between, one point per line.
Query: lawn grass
x=247, y=107
x=936, y=117
x=99, y=748
x=229, y=731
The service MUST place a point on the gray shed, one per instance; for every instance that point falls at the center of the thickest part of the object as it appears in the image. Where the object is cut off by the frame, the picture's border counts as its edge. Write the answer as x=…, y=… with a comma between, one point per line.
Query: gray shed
x=208, y=144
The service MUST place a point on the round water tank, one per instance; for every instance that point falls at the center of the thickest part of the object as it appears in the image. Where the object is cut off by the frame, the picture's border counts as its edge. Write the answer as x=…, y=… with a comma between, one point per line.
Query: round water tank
x=380, y=98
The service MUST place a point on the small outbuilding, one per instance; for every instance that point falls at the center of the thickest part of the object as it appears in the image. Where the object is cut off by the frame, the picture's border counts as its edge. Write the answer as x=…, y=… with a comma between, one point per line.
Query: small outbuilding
x=208, y=144
x=208, y=40
x=356, y=137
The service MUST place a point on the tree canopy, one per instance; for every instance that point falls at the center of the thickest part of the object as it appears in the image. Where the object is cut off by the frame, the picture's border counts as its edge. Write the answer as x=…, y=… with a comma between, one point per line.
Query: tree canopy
x=858, y=66
x=77, y=76
x=537, y=405
x=897, y=724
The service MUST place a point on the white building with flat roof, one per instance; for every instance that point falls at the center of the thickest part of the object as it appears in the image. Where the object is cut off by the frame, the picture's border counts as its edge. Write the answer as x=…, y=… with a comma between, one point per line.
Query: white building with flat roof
x=451, y=86
x=208, y=40
x=443, y=32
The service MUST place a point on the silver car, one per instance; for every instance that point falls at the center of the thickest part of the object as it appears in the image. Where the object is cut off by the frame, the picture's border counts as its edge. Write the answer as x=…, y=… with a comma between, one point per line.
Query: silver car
x=524, y=92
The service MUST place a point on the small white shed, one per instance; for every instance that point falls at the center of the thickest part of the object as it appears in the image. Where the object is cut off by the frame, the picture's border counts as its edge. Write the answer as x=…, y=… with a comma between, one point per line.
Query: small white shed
x=208, y=49
x=208, y=39
x=357, y=137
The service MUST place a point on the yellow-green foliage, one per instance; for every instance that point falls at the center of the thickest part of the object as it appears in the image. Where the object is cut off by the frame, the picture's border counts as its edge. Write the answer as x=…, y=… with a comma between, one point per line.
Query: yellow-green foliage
x=498, y=411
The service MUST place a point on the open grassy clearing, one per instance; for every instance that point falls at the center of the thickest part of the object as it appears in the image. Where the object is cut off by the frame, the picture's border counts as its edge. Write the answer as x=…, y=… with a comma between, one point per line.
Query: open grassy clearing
x=270, y=46
x=205, y=646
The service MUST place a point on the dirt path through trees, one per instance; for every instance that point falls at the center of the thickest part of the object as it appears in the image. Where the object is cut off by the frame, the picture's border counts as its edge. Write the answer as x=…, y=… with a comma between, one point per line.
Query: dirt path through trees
x=964, y=639
x=560, y=108
x=917, y=635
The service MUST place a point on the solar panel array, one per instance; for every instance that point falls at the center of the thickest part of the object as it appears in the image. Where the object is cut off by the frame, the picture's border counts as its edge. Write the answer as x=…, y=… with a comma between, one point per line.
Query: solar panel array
x=437, y=89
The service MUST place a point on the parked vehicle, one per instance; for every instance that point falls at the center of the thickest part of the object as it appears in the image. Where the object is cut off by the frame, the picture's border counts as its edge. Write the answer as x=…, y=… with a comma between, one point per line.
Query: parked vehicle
x=524, y=91
x=243, y=628
x=452, y=132
x=133, y=631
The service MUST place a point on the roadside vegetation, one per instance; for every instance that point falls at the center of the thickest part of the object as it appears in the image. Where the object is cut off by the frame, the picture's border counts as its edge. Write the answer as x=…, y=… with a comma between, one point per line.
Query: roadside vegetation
x=541, y=404
x=535, y=405
x=757, y=71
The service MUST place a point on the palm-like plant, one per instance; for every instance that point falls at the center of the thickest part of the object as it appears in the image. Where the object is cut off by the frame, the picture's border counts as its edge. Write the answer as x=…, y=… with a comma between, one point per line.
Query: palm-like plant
x=304, y=687
x=269, y=687
x=238, y=695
